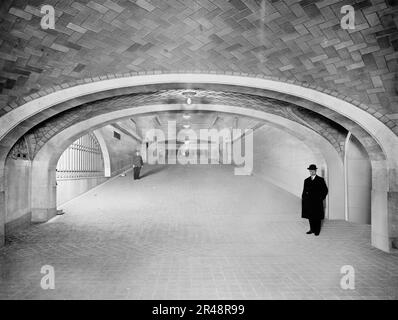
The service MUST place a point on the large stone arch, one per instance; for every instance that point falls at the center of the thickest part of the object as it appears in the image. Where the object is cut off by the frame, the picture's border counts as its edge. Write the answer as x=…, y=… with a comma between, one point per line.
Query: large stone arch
x=115, y=97
x=345, y=108
x=43, y=166
x=384, y=166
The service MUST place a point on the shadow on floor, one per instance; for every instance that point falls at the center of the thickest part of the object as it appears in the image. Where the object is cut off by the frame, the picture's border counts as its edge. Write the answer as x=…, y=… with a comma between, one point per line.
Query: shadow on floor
x=152, y=170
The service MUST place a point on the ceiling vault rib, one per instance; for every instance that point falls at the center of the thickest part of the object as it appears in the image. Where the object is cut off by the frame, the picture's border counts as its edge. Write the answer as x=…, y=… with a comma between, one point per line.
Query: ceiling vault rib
x=216, y=118
x=157, y=121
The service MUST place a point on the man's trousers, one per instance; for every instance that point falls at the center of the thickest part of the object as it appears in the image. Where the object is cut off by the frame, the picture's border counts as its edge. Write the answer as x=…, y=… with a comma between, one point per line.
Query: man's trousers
x=315, y=225
x=136, y=172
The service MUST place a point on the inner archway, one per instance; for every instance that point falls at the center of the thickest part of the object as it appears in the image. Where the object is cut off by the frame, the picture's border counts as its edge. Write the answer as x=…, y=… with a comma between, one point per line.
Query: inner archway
x=383, y=165
x=49, y=154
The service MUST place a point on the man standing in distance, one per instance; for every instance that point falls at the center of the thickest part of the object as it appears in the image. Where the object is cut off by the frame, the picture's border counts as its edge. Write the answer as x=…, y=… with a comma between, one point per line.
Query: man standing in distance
x=315, y=191
x=137, y=164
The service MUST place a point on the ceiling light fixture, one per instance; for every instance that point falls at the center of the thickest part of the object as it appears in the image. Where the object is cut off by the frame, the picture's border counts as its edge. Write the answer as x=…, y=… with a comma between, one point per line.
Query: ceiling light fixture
x=186, y=116
x=188, y=94
x=186, y=126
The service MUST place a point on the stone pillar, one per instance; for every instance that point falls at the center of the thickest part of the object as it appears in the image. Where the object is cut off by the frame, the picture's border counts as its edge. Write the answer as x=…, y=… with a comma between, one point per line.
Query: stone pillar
x=380, y=203
x=335, y=183
x=17, y=194
x=358, y=182
x=44, y=192
x=393, y=205
x=2, y=217
x=393, y=217
x=2, y=204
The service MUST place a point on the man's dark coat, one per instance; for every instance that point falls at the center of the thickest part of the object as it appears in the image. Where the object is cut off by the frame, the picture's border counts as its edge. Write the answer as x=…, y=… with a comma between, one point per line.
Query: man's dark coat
x=315, y=191
x=137, y=161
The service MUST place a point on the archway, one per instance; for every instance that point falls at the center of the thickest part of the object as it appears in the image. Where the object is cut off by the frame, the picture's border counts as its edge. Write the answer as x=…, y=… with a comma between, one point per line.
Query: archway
x=43, y=166
x=384, y=168
x=82, y=166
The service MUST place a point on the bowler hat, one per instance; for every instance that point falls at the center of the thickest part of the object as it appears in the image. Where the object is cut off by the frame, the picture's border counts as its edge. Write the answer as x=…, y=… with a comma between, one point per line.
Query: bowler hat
x=312, y=167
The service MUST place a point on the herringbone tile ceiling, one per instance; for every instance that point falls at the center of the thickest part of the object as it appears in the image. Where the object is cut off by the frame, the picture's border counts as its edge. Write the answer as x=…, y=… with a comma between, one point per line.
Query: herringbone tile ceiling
x=300, y=41
x=44, y=131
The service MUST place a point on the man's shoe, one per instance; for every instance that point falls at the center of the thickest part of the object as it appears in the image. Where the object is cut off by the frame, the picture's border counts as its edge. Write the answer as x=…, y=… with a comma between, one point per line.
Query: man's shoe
x=309, y=232
x=317, y=234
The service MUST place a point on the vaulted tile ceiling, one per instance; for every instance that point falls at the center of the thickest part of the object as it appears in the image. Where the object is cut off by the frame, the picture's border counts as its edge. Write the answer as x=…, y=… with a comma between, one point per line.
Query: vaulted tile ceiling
x=140, y=124
x=192, y=120
x=292, y=40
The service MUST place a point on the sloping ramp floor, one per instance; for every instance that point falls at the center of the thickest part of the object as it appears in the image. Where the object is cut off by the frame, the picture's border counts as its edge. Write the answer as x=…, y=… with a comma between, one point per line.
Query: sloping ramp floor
x=192, y=232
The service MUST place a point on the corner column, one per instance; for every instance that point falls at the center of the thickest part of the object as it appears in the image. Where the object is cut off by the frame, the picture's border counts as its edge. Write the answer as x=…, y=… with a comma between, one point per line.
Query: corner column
x=2, y=218
x=379, y=206
x=44, y=192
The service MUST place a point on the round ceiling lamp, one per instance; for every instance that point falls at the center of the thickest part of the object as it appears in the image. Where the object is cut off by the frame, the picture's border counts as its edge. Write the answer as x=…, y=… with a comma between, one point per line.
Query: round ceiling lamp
x=188, y=94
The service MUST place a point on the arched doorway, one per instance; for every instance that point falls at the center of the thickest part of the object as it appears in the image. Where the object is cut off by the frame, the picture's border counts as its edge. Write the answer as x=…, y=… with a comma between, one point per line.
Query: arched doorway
x=80, y=168
x=384, y=164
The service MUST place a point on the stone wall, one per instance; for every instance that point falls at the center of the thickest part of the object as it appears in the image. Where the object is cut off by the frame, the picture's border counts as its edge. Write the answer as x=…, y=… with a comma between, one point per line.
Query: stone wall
x=18, y=180
x=283, y=159
x=359, y=183
x=120, y=152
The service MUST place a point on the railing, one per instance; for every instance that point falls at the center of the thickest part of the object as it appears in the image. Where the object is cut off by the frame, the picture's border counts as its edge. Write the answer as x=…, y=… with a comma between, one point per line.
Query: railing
x=81, y=160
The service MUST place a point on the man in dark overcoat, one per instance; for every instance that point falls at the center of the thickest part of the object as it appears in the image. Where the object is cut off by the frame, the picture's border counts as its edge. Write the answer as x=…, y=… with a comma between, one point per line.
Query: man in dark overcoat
x=314, y=192
x=137, y=164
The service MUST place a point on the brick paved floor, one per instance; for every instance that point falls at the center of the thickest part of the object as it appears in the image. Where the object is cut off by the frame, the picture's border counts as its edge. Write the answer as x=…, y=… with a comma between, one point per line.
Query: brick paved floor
x=192, y=233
